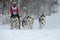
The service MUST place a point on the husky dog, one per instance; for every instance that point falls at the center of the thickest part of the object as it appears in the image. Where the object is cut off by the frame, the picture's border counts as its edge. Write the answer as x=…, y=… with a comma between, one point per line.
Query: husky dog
x=27, y=23
x=15, y=23
x=42, y=21
x=30, y=23
x=24, y=23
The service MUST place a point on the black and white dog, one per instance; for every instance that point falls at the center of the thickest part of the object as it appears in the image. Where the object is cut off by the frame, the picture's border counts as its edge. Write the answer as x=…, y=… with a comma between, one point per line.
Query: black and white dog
x=24, y=23
x=15, y=23
x=42, y=21
x=27, y=22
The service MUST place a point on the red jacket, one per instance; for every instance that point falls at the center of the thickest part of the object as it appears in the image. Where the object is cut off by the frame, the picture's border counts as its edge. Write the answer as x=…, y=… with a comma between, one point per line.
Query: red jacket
x=11, y=9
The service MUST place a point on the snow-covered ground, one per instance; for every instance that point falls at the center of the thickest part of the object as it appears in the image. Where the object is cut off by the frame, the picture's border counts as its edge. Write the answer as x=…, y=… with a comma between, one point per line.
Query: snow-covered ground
x=30, y=34
x=51, y=30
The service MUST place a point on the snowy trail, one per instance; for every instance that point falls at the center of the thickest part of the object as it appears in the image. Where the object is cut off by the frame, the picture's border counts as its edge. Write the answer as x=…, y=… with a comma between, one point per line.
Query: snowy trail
x=50, y=32
x=30, y=34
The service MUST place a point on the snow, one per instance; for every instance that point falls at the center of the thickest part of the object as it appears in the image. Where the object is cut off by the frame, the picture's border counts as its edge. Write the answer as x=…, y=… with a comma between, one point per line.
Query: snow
x=53, y=21
x=30, y=34
x=51, y=31
x=4, y=27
